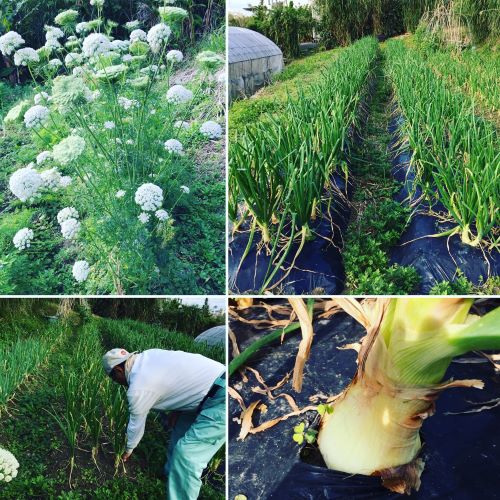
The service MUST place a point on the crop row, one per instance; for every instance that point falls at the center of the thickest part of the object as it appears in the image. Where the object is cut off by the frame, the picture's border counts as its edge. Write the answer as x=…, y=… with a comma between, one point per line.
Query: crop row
x=136, y=336
x=473, y=73
x=455, y=152
x=20, y=358
x=93, y=406
x=281, y=166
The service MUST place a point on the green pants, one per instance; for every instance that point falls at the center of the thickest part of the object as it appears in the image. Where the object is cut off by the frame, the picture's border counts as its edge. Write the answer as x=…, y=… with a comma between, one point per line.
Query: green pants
x=195, y=439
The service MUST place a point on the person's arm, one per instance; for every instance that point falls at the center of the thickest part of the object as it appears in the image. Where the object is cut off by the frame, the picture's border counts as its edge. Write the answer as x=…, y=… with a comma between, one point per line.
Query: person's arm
x=139, y=405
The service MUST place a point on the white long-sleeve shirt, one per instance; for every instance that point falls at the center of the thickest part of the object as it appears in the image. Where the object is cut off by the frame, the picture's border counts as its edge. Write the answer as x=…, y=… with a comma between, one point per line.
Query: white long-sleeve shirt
x=166, y=380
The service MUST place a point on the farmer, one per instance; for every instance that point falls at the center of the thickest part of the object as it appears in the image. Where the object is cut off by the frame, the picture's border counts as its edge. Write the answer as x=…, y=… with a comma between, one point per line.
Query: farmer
x=192, y=388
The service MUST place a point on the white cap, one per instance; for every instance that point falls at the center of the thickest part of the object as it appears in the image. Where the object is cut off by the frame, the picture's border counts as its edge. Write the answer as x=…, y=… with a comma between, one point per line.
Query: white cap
x=114, y=358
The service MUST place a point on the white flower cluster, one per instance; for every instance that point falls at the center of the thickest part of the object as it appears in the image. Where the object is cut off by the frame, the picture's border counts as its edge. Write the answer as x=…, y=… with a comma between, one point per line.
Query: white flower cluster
x=174, y=56
x=66, y=17
x=67, y=213
x=36, y=116
x=52, y=44
x=70, y=228
x=185, y=189
x=69, y=149
x=149, y=197
x=109, y=125
x=157, y=36
x=22, y=240
x=97, y=3
x=65, y=181
x=25, y=182
x=73, y=58
x=81, y=270
x=53, y=33
x=41, y=97
x=55, y=63
x=120, y=193
x=42, y=157
x=131, y=25
x=81, y=27
x=51, y=178
x=144, y=217
x=127, y=103
x=173, y=146
x=181, y=124
x=138, y=36
x=178, y=94
x=211, y=129
x=10, y=42
x=25, y=56
x=8, y=466
x=162, y=215
x=95, y=44
x=120, y=45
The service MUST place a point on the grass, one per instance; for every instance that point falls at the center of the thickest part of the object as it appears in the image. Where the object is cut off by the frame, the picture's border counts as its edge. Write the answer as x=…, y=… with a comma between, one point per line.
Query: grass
x=299, y=74
x=472, y=72
x=43, y=450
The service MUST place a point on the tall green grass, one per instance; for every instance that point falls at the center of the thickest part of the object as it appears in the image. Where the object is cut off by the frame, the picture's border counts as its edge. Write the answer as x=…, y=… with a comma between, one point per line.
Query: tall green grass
x=280, y=166
x=456, y=153
x=21, y=357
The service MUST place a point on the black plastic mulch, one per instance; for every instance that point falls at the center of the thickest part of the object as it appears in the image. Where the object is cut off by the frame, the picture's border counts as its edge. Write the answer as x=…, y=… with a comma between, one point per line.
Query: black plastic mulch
x=462, y=452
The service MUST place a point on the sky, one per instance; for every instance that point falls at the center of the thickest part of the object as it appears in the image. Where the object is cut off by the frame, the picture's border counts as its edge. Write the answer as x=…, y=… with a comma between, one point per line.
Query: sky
x=213, y=302
x=237, y=6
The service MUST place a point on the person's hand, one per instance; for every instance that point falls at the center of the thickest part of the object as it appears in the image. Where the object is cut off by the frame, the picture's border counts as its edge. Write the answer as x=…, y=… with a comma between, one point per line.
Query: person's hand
x=126, y=455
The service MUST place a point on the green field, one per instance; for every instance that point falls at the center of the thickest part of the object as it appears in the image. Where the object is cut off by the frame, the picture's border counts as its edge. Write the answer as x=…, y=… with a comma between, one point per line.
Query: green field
x=61, y=408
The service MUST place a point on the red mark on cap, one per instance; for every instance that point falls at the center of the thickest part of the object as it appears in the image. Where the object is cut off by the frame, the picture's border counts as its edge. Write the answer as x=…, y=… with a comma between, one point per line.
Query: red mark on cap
x=123, y=353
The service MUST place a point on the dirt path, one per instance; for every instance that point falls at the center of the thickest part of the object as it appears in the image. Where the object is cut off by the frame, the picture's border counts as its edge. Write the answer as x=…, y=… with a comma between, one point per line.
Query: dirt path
x=377, y=221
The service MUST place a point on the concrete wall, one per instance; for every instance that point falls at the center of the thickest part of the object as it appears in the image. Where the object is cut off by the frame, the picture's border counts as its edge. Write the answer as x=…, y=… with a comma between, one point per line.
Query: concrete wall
x=246, y=77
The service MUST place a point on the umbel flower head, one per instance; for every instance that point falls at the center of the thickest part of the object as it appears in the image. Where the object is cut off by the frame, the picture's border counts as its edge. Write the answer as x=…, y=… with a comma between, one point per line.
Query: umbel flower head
x=25, y=182
x=173, y=15
x=8, y=466
x=97, y=3
x=144, y=217
x=22, y=240
x=209, y=60
x=10, y=42
x=67, y=213
x=36, y=116
x=23, y=57
x=69, y=91
x=81, y=270
x=162, y=215
x=51, y=178
x=70, y=228
x=68, y=149
x=174, y=56
x=95, y=44
x=179, y=94
x=52, y=32
x=73, y=59
x=138, y=35
x=82, y=27
x=66, y=17
x=42, y=157
x=173, y=146
x=157, y=36
x=149, y=197
x=41, y=97
x=211, y=129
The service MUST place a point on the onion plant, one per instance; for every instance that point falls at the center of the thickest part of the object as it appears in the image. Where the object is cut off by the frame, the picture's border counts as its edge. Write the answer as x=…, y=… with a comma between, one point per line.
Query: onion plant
x=281, y=166
x=115, y=403
x=71, y=420
x=410, y=342
x=456, y=154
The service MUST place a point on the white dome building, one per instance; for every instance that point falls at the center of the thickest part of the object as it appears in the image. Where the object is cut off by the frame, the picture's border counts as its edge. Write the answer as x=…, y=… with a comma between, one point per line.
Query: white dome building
x=253, y=59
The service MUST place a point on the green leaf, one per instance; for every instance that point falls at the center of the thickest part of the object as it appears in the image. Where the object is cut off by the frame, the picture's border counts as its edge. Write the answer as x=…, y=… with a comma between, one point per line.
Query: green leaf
x=298, y=438
x=299, y=428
